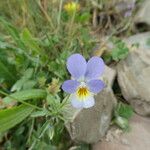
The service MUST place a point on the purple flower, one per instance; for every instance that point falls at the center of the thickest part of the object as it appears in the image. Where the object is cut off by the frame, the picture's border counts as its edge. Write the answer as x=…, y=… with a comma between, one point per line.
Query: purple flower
x=85, y=82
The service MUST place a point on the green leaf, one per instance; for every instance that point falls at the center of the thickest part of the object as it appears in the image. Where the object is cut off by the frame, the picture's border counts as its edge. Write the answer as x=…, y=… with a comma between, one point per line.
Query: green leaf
x=51, y=132
x=107, y=57
x=123, y=123
x=5, y=72
x=29, y=84
x=29, y=41
x=84, y=17
x=120, y=50
x=13, y=32
x=18, y=85
x=28, y=73
x=24, y=81
x=124, y=110
x=4, y=45
x=42, y=113
x=11, y=117
x=44, y=128
x=24, y=95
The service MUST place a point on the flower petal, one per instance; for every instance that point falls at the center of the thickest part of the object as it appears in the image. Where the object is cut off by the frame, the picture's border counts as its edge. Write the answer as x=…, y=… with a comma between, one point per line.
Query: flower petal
x=70, y=86
x=75, y=101
x=76, y=65
x=95, y=86
x=95, y=68
x=89, y=102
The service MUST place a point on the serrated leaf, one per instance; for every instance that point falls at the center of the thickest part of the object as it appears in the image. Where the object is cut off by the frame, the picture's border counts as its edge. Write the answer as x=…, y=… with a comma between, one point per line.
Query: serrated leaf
x=11, y=117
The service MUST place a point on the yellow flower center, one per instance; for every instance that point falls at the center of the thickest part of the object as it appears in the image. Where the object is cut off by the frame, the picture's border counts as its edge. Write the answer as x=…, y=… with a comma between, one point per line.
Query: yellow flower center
x=82, y=92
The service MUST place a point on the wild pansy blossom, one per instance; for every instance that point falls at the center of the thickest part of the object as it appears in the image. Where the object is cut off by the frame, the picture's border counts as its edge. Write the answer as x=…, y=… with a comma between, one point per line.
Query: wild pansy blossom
x=85, y=82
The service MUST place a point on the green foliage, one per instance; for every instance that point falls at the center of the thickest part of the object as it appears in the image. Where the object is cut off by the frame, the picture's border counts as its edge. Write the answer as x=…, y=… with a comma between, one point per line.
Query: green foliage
x=83, y=18
x=5, y=72
x=120, y=51
x=30, y=42
x=124, y=110
x=24, y=95
x=11, y=117
x=123, y=113
x=24, y=81
x=35, y=43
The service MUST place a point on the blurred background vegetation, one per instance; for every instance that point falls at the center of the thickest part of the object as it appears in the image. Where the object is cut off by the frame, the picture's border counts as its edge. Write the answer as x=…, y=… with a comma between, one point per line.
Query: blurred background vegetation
x=36, y=37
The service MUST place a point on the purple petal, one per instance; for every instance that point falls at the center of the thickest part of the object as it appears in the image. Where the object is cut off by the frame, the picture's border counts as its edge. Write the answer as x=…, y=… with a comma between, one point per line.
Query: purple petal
x=95, y=86
x=76, y=65
x=76, y=102
x=95, y=67
x=89, y=102
x=70, y=86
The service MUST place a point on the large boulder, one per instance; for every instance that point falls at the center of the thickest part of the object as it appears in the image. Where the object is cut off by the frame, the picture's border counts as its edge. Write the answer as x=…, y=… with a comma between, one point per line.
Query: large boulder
x=134, y=79
x=142, y=39
x=142, y=18
x=136, y=139
x=90, y=125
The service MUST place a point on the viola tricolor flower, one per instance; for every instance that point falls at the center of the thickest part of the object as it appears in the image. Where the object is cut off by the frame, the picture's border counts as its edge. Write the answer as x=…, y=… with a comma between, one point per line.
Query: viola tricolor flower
x=85, y=82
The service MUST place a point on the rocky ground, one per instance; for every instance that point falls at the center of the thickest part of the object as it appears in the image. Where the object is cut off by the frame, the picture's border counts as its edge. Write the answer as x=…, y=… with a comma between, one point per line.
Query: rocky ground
x=136, y=139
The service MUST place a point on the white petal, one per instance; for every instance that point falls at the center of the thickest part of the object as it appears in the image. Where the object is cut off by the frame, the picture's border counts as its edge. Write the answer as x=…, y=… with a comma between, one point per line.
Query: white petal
x=89, y=102
x=75, y=101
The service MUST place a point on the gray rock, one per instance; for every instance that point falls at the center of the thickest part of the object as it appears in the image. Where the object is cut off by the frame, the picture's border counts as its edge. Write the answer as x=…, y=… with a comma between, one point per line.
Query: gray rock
x=136, y=139
x=134, y=80
x=142, y=39
x=142, y=17
x=90, y=125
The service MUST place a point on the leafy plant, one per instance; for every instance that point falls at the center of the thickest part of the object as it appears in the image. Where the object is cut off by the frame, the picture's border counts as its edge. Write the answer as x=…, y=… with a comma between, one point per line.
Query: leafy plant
x=10, y=117
x=123, y=113
x=120, y=51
